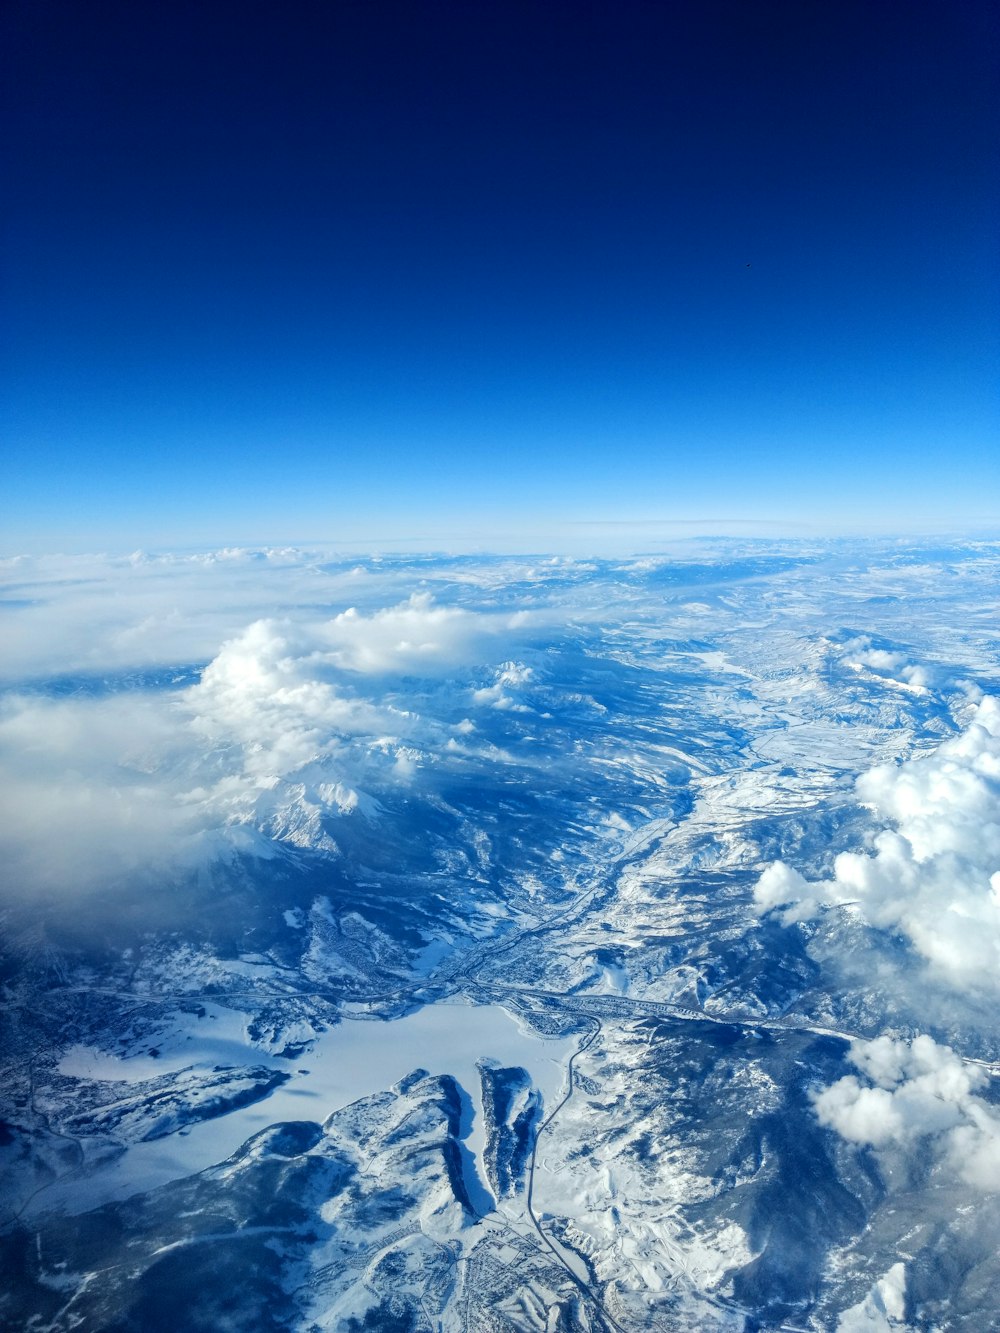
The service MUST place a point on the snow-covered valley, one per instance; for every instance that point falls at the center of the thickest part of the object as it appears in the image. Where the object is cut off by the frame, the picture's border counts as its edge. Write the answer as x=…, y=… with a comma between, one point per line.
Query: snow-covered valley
x=507, y=945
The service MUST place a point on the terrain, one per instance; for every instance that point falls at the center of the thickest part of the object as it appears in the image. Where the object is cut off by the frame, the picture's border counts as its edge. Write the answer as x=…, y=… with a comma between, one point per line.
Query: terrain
x=504, y=944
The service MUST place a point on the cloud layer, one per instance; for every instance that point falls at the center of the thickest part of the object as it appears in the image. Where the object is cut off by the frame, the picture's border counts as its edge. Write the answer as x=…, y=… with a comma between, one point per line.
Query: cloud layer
x=917, y=1090
x=286, y=727
x=934, y=871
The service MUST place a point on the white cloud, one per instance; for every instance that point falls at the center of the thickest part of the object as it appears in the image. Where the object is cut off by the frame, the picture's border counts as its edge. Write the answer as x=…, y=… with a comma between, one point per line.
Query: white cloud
x=270, y=690
x=82, y=792
x=289, y=724
x=65, y=614
x=974, y=1149
x=509, y=677
x=917, y=1090
x=416, y=636
x=858, y=654
x=934, y=874
x=863, y=1115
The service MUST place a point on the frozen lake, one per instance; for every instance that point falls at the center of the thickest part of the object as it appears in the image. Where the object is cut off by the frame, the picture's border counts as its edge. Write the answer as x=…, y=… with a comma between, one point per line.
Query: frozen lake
x=359, y=1057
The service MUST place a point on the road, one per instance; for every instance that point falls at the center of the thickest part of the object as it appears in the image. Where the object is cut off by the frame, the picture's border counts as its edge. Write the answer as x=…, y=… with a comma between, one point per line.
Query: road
x=592, y=1295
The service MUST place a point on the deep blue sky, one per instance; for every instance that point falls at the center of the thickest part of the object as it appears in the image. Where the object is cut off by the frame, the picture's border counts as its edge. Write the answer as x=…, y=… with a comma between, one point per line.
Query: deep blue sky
x=279, y=271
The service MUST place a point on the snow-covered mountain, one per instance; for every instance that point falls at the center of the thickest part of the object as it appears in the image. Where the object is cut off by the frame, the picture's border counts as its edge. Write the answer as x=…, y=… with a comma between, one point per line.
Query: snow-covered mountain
x=496, y=944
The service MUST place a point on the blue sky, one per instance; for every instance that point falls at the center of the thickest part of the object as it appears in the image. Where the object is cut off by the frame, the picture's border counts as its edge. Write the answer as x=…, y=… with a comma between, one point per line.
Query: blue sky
x=321, y=272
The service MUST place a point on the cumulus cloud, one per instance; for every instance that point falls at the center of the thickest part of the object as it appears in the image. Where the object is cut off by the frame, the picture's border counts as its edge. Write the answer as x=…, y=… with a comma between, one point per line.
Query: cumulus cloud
x=415, y=636
x=267, y=690
x=99, y=613
x=501, y=694
x=286, y=729
x=890, y=665
x=934, y=871
x=917, y=1090
x=65, y=614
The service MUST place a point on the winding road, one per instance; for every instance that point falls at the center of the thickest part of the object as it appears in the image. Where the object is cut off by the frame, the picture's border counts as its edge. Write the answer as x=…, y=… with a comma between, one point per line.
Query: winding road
x=592, y=1295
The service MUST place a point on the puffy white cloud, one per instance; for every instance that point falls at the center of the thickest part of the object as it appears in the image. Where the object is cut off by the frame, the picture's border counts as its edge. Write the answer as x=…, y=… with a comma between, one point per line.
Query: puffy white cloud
x=863, y=1115
x=509, y=677
x=65, y=614
x=289, y=722
x=270, y=690
x=948, y=801
x=100, y=613
x=934, y=873
x=974, y=1149
x=416, y=636
x=859, y=654
x=917, y=1090
x=782, y=885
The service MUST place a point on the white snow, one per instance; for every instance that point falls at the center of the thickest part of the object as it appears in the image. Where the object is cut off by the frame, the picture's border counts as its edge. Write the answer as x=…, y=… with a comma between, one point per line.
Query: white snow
x=357, y=1058
x=882, y=1309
